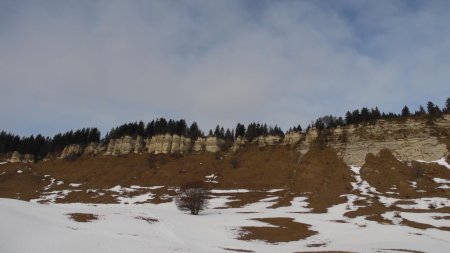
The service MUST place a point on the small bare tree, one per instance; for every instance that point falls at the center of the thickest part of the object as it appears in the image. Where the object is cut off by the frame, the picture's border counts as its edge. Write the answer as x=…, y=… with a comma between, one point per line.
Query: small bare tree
x=193, y=197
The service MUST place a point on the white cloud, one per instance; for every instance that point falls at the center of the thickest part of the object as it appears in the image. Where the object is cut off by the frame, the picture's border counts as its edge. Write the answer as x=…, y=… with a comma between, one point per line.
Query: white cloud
x=69, y=65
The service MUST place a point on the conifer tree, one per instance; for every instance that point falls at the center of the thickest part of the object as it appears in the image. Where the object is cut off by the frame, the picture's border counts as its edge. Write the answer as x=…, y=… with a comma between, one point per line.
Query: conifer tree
x=405, y=112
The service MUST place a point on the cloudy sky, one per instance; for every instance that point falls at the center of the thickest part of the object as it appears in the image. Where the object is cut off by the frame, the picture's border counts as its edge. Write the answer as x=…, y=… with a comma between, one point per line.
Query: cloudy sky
x=71, y=64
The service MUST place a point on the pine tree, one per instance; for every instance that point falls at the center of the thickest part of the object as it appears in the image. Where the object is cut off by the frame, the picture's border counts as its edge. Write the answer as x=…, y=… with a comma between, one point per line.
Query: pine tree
x=405, y=112
x=240, y=131
x=447, y=106
x=194, y=131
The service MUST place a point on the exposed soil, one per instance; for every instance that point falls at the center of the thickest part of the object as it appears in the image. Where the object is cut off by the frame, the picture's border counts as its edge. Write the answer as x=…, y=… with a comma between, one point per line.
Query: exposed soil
x=324, y=176
x=257, y=170
x=238, y=250
x=83, y=217
x=287, y=230
x=404, y=250
x=150, y=220
x=385, y=172
x=322, y=252
x=20, y=181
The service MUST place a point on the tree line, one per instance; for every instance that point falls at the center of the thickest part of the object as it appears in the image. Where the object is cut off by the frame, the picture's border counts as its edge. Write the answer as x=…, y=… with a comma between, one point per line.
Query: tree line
x=366, y=115
x=40, y=146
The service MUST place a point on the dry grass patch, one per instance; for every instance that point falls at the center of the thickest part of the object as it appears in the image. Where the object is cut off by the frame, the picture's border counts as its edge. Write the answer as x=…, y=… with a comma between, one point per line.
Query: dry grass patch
x=83, y=217
x=323, y=252
x=405, y=250
x=286, y=230
x=150, y=220
x=238, y=250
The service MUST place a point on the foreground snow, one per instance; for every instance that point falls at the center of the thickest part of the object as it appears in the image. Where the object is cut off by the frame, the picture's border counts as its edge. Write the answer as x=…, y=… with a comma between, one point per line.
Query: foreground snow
x=32, y=227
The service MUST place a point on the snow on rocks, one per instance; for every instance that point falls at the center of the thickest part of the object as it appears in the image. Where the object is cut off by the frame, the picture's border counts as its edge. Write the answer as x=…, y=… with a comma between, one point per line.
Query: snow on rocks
x=211, y=179
x=441, y=161
x=362, y=185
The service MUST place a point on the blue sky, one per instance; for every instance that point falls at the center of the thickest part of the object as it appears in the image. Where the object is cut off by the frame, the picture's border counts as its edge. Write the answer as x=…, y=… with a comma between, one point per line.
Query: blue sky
x=71, y=64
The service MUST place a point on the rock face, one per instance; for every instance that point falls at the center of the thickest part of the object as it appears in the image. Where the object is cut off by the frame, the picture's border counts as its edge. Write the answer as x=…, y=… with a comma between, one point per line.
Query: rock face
x=28, y=158
x=214, y=144
x=199, y=145
x=138, y=145
x=92, y=149
x=71, y=150
x=110, y=148
x=238, y=143
x=15, y=157
x=411, y=139
x=408, y=140
x=269, y=140
x=168, y=144
x=292, y=138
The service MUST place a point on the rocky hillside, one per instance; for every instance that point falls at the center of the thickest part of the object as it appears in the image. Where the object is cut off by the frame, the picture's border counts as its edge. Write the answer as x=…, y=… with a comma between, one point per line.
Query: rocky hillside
x=408, y=139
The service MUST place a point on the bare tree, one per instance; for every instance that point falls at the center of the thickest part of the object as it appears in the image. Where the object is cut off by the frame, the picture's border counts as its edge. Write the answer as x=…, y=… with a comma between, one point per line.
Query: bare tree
x=193, y=197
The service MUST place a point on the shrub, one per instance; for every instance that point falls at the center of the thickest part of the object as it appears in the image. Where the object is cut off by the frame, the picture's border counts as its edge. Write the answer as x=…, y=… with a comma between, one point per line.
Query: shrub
x=193, y=197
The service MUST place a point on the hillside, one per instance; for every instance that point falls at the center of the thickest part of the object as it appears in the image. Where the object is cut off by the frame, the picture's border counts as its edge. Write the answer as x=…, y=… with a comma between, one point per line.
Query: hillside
x=383, y=178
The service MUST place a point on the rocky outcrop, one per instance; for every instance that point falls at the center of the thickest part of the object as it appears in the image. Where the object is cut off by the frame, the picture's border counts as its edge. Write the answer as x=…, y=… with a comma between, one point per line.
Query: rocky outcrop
x=185, y=145
x=292, y=138
x=165, y=144
x=15, y=157
x=214, y=144
x=239, y=142
x=269, y=140
x=199, y=145
x=92, y=149
x=28, y=158
x=408, y=140
x=138, y=145
x=110, y=148
x=71, y=151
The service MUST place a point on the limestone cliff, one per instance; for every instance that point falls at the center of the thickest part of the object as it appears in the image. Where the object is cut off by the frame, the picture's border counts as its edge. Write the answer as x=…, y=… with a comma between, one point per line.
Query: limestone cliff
x=408, y=140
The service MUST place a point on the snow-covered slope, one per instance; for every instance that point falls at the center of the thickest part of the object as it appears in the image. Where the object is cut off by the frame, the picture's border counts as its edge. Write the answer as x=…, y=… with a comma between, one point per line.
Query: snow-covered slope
x=33, y=227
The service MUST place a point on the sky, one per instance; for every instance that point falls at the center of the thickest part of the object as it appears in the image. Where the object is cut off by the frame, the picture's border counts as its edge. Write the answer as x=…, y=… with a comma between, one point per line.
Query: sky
x=72, y=64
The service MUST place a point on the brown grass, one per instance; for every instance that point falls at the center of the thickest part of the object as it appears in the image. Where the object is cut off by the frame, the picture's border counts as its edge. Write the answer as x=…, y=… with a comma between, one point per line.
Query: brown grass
x=238, y=250
x=325, y=176
x=82, y=217
x=150, y=220
x=384, y=170
x=287, y=230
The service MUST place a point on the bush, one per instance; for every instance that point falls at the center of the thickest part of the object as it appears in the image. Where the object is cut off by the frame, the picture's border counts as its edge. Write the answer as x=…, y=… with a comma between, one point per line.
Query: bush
x=193, y=197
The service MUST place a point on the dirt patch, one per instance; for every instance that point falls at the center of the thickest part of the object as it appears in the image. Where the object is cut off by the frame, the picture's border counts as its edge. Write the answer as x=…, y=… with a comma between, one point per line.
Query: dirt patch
x=150, y=220
x=286, y=230
x=238, y=250
x=418, y=225
x=316, y=245
x=325, y=176
x=258, y=169
x=21, y=181
x=239, y=200
x=405, y=250
x=384, y=171
x=323, y=252
x=83, y=217
x=441, y=217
